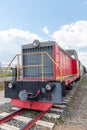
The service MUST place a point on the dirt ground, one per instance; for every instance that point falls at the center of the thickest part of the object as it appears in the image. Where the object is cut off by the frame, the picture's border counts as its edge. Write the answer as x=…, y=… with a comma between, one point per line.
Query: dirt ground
x=76, y=115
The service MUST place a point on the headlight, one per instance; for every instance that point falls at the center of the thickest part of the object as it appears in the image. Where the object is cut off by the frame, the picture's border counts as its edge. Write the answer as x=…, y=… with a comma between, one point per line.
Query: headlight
x=48, y=87
x=36, y=43
x=10, y=85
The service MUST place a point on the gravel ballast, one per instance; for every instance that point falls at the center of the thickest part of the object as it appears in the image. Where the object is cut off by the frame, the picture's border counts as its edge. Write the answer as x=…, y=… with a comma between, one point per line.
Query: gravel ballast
x=75, y=115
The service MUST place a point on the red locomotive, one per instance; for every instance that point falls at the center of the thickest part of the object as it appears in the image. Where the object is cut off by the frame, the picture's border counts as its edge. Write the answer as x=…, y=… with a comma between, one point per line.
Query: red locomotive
x=47, y=71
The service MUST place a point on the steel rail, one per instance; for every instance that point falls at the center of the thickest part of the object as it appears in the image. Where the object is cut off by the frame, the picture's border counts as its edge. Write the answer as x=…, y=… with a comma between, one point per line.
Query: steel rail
x=29, y=124
x=10, y=116
x=33, y=121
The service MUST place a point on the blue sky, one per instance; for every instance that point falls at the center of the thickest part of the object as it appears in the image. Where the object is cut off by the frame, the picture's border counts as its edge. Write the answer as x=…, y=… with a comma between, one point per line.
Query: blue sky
x=42, y=19
x=33, y=15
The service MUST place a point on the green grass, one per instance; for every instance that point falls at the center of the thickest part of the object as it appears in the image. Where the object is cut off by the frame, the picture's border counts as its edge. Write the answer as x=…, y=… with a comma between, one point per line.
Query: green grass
x=3, y=73
x=7, y=75
x=83, y=81
x=61, y=120
x=1, y=86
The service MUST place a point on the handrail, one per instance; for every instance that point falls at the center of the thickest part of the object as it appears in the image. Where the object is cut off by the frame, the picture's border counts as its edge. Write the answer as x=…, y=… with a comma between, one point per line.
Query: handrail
x=31, y=66
x=9, y=66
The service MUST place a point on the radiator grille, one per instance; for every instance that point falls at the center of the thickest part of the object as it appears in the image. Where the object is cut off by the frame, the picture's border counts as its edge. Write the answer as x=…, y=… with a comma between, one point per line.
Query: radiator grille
x=31, y=61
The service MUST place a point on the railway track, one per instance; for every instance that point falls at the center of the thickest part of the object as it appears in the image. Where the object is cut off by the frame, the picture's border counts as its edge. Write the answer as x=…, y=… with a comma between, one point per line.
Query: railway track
x=55, y=112
x=26, y=123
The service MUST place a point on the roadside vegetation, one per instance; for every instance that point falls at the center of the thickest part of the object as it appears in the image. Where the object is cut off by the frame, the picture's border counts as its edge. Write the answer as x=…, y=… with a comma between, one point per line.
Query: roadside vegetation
x=2, y=73
x=1, y=86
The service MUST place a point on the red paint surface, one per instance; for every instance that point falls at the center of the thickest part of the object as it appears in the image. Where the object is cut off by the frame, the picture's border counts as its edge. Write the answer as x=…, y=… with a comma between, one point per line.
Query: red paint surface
x=75, y=66
x=70, y=79
x=68, y=65
x=36, y=79
x=42, y=106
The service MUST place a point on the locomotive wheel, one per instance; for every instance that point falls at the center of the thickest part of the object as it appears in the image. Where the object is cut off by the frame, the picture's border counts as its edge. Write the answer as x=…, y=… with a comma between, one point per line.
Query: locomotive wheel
x=69, y=87
x=78, y=79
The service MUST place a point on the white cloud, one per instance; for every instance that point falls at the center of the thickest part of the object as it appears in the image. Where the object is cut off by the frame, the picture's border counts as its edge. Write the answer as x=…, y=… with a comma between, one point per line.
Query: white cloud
x=68, y=36
x=73, y=36
x=45, y=30
x=11, y=41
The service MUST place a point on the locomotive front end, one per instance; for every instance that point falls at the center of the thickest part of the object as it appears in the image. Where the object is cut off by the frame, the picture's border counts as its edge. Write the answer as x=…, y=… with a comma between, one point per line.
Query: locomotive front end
x=37, y=88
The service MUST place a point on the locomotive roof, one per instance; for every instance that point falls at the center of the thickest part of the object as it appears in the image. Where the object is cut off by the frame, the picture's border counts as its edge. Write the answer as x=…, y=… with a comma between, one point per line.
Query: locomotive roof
x=72, y=52
x=69, y=52
x=42, y=44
